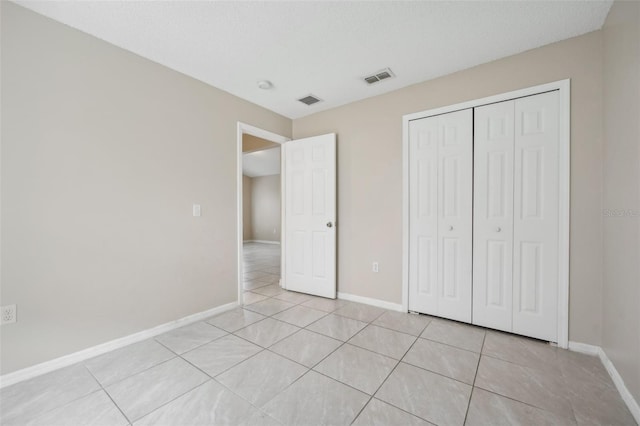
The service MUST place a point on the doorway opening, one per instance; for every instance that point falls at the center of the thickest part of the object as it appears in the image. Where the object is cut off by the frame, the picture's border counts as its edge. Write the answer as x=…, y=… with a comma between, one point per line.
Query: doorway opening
x=260, y=209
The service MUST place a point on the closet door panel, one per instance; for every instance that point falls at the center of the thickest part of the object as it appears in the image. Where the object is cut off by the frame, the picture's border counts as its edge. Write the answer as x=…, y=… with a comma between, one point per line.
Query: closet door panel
x=493, y=215
x=535, y=263
x=455, y=194
x=423, y=214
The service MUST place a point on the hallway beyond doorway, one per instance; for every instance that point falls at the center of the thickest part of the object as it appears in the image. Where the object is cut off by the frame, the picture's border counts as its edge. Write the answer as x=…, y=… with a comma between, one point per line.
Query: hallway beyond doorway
x=261, y=264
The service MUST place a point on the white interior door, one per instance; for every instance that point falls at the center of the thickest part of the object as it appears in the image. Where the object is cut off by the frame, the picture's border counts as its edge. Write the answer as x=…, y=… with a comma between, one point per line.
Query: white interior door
x=536, y=220
x=440, y=215
x=493, y=216
x=310, y=215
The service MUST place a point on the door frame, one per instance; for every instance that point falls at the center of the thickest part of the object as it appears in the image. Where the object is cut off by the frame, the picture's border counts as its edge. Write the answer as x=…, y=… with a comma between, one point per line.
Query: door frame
x=564, y=108
x=242, y=129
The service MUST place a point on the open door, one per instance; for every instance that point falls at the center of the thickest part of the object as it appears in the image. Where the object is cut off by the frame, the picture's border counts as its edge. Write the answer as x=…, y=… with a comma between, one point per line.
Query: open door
x=310, y=215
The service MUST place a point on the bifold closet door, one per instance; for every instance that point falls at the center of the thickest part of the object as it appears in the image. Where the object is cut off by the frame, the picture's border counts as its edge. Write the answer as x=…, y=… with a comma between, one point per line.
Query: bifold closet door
x=440, y=214
x=536, y=217
x=515, y=265
x=493, y=215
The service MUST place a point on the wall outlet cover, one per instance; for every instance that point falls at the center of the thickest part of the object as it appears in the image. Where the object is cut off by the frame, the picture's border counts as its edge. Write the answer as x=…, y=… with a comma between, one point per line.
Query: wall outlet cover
x=8, y=314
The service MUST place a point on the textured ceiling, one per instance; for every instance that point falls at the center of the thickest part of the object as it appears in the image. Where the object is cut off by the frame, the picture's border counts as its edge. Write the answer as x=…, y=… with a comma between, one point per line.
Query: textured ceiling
x=321, y=47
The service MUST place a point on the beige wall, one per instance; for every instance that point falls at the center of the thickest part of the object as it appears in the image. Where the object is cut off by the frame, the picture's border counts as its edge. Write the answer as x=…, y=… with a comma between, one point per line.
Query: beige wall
x=103, y=155
x=370, y=169
x=265, y=208
x=621, y=215
x=247, y=229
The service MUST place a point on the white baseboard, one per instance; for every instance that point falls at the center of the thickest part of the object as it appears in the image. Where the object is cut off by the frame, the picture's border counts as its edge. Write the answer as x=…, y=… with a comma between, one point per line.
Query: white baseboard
x=584, y=348
x=632, y=404
x=262, y=241
x=67, y=360
x=369, y=301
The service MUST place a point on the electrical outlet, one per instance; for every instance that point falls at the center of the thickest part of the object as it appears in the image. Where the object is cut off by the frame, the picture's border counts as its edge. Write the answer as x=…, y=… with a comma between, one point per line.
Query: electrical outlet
x=8, y=314
x=374, y=268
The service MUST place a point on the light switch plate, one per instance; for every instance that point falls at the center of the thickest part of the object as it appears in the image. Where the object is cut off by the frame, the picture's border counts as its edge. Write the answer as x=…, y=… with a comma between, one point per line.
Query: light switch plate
x=196, y=210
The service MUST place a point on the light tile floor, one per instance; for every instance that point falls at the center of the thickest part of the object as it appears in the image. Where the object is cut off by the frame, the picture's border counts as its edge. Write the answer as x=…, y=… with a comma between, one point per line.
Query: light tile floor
x=315, y=361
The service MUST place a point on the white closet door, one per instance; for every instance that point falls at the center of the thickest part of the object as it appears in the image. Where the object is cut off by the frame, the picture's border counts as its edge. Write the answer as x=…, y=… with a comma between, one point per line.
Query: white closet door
x=423, y=215
x=455, y=212
x=535, y=227
x=493, y=216
x=440, y=215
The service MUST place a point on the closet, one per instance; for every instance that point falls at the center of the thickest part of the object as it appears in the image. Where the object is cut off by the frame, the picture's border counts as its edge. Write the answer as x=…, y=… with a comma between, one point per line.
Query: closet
x=484, y=215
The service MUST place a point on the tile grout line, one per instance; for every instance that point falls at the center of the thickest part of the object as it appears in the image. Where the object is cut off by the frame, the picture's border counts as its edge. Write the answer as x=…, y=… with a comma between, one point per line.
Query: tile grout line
x=475, y=376
x=385, y=381
x=109, y=395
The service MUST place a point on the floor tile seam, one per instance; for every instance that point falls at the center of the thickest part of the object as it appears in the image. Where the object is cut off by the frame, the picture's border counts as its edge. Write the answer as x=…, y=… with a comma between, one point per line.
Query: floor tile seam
x=385, y=381
x=523, y=402
x=172, y=400
x=248, y=325
x=284, y=310
x=609, y=384
x=272, y=397
x=343, y=383
x=555, y=361
x=296, y=303
x=174, y=356
x=260, y=346
x=260, y=286
x=267, y=315
x=320, y=334
x=226, y=333
x=397, y=331
x=402, y=361
x=327, y=314
x=285, y=300
x=450, y=345
x=275, y=319
x=109, y=396
x=330, y=353
x=299, y=325
x=528, y=403
x=357, y=319
x=230, y=367
x=379, y=353
x=475, y=376
x=361, y=409
x=71, y=401
x=524, y=366
x=348, y=342
x=405, y=411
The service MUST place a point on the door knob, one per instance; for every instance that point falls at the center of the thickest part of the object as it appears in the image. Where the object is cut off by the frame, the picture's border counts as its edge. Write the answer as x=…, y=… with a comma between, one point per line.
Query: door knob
x=498, y=229
x=329, y=224
x=450, y=228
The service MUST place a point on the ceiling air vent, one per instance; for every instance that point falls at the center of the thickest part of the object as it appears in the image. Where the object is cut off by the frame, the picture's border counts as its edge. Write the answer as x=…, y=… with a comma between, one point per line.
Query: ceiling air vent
x=309, y=100
x=380, y=75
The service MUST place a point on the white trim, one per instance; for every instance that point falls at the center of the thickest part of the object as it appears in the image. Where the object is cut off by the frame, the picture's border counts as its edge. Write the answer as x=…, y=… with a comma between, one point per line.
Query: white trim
x=564, y=88
x=373, y=302
x=584, y=348
x=632, y=404
x=262, y=241
x=273, y=137
x=67, y=360
x=564, y=210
